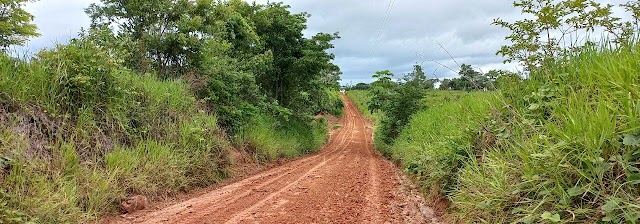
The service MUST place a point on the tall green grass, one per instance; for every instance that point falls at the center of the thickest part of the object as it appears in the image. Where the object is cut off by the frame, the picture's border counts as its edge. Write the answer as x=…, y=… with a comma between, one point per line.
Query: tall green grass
x=568, y=150
x=79, y=133
x=273, y=139
x=560, y=147
x=440, y=139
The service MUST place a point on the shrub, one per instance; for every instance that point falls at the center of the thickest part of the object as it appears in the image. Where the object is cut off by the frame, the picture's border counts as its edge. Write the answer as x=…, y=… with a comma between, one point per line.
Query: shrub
x=274, y=139
x=567, y=150
x=82, y=75
x=442, y=138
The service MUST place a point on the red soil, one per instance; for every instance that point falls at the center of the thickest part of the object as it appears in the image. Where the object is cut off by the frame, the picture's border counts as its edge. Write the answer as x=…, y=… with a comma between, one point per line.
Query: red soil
x=346, y=182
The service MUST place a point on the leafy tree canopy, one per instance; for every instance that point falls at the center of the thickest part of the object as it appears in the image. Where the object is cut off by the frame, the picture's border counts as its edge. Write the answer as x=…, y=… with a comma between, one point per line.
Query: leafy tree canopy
x=15, y=24
x=245, y=57
x=533, y=41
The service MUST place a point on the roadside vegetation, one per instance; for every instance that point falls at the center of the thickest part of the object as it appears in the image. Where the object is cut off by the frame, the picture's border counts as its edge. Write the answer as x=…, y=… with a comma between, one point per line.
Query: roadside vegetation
x=560, y=145
x=155, y=104
x=361, y=98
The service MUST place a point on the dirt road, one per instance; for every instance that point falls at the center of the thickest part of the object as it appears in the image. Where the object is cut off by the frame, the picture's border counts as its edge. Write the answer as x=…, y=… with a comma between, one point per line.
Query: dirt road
x=347, y=182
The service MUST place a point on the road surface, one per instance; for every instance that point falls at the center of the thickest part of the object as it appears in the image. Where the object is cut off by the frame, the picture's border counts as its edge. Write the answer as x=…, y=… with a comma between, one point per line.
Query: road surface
x=346, y=182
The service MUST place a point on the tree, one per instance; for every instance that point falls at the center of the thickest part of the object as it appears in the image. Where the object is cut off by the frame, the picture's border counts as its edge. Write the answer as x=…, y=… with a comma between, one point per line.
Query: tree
x=445, y=84
x=361, y=86
x=170, y=36
x=330, y=77
x=634, y=8
x=298, y=62
x=15, y=24
x=245, y=58
x=381, y=91
x=533, y=40
x=471, y=79
x=399, y=100
x=419, y=79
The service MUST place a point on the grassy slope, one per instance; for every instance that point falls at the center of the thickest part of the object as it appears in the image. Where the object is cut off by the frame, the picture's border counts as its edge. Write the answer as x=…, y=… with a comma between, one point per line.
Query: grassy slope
x=432, y=146
x=560, y=147
x=78, y=134
x=437, y=140
x=560, y=152
x=294, y=138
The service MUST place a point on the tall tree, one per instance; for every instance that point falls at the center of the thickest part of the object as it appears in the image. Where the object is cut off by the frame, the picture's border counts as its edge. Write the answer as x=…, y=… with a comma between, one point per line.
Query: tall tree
x=169, y=36
x=298, y=62
x=419, y=79
x=250, y=56
x=15, y=24
x=381, y=90
x=470, y=79
x=445, y=84
x=533, y=40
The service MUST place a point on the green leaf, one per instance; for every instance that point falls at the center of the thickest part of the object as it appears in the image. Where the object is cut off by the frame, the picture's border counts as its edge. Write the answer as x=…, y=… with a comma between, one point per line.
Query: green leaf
x=609, y=218
x=516, y=191
x=631, y=140
x=551, y=217
x=529, y=219
x=534, y=106
x=632, y=217
x=610, y=205
x=634, y=179
x=575, y=191
x=538, y=155
x=485, y=204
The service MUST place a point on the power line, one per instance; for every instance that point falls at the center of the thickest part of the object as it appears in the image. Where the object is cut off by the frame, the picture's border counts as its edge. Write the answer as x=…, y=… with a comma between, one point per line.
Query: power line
x=383, y=25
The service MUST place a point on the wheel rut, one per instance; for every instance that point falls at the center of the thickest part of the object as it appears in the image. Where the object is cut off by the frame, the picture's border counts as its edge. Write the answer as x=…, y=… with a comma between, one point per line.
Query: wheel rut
x=346, y=182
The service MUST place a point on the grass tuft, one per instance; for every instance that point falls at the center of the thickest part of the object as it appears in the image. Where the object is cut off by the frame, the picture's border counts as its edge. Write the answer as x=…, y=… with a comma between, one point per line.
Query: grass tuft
x=562, y=146
x=79, y=133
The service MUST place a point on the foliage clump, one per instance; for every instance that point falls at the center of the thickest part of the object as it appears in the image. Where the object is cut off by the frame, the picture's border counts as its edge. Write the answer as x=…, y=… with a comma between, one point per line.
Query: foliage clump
x=399, y=100
x=15, y=24
x=152, y=99
x=557, y=146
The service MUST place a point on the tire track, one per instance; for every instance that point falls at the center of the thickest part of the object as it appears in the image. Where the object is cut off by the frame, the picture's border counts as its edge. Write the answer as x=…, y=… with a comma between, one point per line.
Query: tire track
x=243, y=213
x=247, y=188
x=346, y=182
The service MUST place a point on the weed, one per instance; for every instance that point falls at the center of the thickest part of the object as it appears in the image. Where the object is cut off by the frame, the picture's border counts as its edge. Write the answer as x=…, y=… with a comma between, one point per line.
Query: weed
x=558, y=147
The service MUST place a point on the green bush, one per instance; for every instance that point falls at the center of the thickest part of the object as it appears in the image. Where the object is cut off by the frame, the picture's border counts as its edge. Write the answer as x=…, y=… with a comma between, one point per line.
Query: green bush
x=102, y=133
x=82, y=76
x=333, y=104
x=568, y=149
x=104, y=115
x=561, y=146
x=441, y=139
x=272, y=139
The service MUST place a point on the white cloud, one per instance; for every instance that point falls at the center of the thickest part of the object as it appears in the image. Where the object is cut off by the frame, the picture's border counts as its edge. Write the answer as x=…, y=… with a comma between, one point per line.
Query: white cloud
x=57, y=21
x=411, y=35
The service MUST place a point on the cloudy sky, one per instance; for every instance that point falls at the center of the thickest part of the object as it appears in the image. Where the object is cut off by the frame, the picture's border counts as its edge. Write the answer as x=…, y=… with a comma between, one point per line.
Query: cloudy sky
x=376, y=34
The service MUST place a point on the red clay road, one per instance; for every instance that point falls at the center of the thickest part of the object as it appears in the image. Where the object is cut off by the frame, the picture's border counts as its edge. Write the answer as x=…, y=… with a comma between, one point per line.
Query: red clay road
x=346, y=182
